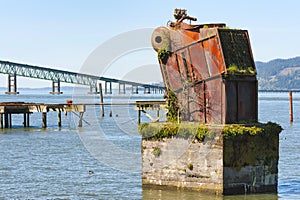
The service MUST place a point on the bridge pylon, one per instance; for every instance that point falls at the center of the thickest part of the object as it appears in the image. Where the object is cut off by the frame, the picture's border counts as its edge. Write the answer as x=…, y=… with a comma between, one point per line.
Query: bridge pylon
x=134, y=89
x=56, y=87
x=122, y=88
x=93, y=89
x=147, y=90
x=108, y=90
x=12, y=84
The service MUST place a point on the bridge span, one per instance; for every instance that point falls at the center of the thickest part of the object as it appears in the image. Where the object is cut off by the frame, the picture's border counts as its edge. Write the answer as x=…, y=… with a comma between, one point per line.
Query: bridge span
x=56, y=76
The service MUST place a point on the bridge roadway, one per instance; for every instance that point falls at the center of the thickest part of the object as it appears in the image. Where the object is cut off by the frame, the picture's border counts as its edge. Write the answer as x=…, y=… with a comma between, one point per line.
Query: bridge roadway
x=56, y=76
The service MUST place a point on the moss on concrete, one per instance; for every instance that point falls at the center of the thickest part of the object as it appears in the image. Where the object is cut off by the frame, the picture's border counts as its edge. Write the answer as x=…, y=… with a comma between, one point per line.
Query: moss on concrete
x=200, y=131
x=157, y=131
x=244, y=144
x=249, y=146
x=235, y=155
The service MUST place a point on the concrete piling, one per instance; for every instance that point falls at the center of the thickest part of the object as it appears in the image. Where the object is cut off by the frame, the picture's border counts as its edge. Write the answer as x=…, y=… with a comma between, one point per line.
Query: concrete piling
x=122, y=88
x=134, y=89
x=12, y=84
x=56, y=87
x=110, y=87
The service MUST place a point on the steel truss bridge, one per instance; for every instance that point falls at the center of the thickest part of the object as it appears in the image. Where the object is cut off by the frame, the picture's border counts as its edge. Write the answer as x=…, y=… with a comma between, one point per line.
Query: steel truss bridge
x=56, y=76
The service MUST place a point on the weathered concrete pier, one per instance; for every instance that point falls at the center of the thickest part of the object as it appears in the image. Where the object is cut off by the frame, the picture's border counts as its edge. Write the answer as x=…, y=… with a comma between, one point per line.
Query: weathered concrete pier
x=7, y=109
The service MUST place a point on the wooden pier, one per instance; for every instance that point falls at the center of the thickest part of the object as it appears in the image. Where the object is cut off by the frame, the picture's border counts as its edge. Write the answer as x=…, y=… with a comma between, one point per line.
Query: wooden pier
x=7, y=109
x=142, y=106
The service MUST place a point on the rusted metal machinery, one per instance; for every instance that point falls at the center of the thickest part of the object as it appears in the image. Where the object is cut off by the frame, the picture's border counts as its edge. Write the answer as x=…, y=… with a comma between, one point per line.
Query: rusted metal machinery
x=210, y=68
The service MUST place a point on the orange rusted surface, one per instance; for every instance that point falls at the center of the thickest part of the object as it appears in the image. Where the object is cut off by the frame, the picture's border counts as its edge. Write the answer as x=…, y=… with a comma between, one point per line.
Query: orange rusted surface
x=210, y=68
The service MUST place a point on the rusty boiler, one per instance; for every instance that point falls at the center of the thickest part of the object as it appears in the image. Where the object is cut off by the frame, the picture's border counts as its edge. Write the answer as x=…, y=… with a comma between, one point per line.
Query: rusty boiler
x=210, y=68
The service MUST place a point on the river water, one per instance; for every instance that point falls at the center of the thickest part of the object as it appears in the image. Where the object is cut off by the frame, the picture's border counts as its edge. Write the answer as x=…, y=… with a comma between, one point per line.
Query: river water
x=102, y=160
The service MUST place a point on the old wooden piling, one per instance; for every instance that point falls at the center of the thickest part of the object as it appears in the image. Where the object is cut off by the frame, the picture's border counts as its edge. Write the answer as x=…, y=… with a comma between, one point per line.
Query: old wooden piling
x=26, y=119
x=1, y=120
x=44, y=119
x=291, y=107
x=143, y=106
x=59, y=118
x=80, y=119
x=101, y=100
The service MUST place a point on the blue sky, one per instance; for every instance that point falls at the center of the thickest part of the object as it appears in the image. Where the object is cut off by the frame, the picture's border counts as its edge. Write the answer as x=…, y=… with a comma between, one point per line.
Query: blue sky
x=63, y=33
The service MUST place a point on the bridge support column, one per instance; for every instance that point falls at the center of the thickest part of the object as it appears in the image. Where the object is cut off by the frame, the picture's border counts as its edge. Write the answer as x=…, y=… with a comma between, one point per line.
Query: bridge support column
x=134, y=89
x=122, y=90
x=110, y=88
x=154, y=90
x=93, y=89
x=147, y=90
x=56, y=87
x=12, y=84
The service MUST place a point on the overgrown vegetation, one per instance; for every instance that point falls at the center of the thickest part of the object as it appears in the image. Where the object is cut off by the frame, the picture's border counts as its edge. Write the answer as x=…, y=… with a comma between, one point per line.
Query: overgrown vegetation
x=194, y=130
x=156, y=152
x=190, y=166
x=158, y=131
x=235, y=70
x=163, y=54
x=243, y=144
x=235, y=130
x=173, y=114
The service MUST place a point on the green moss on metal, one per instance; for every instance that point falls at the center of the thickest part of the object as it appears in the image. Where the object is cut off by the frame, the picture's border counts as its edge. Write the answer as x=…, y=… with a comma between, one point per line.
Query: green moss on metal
x=163, y=54
x=173, y=114
x=235, y=70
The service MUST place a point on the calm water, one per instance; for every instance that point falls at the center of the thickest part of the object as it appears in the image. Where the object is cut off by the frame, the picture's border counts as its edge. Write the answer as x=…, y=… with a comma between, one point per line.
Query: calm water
x=102, y=159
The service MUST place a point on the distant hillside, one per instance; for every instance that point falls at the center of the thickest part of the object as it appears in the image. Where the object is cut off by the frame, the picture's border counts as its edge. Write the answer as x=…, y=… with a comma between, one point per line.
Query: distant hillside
x=279, y=74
